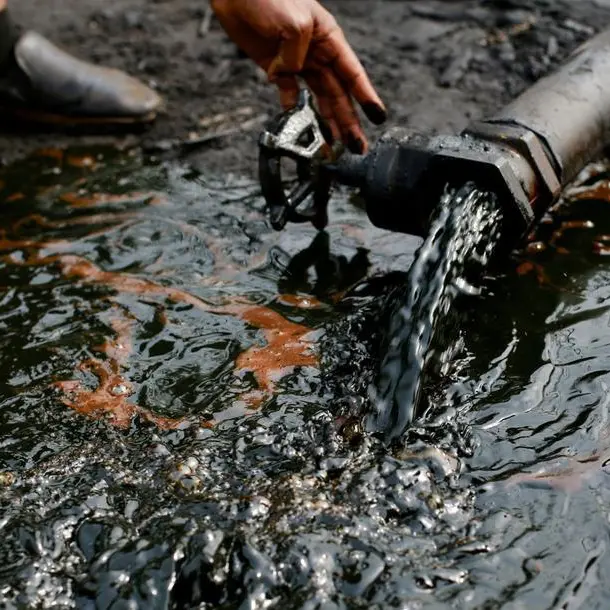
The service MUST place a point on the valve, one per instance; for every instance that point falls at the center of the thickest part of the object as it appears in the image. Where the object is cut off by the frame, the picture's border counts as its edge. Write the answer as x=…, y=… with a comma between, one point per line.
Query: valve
x=301, y=135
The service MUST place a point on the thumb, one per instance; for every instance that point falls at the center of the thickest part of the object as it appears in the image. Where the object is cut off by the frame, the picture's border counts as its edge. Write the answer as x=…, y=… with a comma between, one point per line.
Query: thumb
x=292, y=52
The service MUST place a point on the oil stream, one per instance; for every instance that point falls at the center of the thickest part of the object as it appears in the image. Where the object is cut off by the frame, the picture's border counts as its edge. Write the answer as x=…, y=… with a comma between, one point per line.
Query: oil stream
x=463, y=235
x=182, y=393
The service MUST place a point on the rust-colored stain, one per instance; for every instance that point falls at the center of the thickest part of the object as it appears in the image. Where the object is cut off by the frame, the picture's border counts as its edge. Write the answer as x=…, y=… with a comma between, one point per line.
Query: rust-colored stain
x=7, y=244
x=104, y=220
x=600, y=191
x=14, y=197
x=300, y=301
x=51, y=153
x=110, y=399
x=79, y=268
x=82, y=161
x=528, y=267
x=79, y=200
x=569, y=225
x=39, y=221
x=287, y=348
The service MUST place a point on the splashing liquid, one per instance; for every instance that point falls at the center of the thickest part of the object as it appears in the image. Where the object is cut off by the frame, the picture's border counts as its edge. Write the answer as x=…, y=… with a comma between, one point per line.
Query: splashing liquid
x=461, y=241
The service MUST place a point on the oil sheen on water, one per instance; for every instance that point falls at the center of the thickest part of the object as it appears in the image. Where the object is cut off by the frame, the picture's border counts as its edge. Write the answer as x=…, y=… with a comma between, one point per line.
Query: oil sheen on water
x=182, y=394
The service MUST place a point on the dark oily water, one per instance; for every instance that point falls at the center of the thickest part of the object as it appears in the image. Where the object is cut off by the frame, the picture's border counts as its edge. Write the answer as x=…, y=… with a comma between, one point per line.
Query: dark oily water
x=182, y=392
x=462, y=238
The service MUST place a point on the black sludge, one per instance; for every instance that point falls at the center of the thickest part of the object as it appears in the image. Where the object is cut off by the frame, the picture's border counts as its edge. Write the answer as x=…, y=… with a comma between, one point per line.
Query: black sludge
x=498, y=497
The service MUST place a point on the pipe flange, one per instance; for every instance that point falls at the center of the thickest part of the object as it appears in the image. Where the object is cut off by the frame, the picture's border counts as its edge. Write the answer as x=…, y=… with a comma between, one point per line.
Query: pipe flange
x=532, y=148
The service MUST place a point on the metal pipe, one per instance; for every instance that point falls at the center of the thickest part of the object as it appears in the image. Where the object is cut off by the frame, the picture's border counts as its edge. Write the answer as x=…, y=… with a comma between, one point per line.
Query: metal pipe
x=526, y=153
x=570, y=109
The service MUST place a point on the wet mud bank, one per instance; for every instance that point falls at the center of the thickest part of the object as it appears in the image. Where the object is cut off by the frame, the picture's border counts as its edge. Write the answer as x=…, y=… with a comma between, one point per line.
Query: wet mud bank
x=436, y=63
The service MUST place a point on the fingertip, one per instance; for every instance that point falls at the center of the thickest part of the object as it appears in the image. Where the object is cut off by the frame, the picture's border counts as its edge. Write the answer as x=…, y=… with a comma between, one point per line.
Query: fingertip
x=356, y=144
x=335, y=132
x=376, y=113
x=274, y=71
x=289, y=91
x=287, y=100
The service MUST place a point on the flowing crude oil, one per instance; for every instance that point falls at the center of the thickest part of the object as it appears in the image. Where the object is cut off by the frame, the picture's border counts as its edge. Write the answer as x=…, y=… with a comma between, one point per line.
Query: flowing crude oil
x=183, y=394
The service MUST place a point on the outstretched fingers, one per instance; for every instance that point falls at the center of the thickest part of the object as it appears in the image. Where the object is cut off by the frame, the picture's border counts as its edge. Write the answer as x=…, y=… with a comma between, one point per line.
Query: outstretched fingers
x=346, y=66
x=336, y=106
x=324, y=104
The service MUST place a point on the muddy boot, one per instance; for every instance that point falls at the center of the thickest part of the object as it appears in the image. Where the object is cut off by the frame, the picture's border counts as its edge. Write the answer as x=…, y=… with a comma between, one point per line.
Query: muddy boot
x=43, y=84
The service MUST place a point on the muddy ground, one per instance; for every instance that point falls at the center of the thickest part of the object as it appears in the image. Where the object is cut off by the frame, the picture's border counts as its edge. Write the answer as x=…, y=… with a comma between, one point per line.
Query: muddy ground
x=436, y=63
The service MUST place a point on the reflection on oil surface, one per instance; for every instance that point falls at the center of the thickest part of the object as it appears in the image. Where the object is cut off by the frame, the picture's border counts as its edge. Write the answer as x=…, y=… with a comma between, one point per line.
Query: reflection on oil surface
x=182, y=391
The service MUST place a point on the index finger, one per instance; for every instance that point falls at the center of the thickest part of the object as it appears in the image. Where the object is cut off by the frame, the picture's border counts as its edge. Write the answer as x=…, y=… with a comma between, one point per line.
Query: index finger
x=343, y=61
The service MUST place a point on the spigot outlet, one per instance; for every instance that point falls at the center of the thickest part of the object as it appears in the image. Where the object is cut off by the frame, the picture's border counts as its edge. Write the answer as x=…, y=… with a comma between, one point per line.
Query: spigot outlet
x=402, y=178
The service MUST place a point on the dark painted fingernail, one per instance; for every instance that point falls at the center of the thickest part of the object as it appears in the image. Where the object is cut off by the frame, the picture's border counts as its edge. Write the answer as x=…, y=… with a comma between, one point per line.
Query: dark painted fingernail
x=375, y=113
x=356, y=145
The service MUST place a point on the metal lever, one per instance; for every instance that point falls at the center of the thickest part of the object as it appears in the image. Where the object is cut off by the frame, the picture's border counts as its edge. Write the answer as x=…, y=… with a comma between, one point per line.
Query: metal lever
x=301, y=135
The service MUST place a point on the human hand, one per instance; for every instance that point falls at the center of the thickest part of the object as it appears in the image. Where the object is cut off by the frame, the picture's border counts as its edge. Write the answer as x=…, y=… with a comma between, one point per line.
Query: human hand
x=300, y=38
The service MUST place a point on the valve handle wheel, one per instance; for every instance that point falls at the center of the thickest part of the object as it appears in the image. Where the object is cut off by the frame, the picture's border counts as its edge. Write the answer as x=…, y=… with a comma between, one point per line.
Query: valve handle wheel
x=301, y=135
